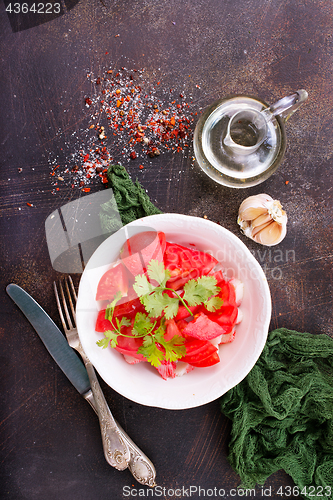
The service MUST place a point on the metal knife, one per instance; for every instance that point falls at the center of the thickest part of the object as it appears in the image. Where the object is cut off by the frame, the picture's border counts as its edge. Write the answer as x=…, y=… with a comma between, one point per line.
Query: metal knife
x=55, y=342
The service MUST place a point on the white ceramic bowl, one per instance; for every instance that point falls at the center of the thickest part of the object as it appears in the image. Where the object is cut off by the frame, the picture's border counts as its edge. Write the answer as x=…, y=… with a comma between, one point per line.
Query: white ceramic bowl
x=141, y=382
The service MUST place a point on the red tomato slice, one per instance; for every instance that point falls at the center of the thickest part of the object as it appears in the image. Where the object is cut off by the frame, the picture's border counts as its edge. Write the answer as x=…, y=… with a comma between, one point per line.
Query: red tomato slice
x=225, y=316
x=140, y=249
x=181, y=324
x=113, y=281
x=211, y=360
x=130, y=345
x=126, y=345
x=227, y=292
x=171, y=330
x=102, y=324
x=128, y=308
x=200, y=351
x=183, y=312
x=186, y=263
x=203, y=328
x=218, y=275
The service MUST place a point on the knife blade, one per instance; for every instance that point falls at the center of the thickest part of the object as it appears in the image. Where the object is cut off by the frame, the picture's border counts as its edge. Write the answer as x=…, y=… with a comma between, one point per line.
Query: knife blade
x=51, y=336
x=55, y=342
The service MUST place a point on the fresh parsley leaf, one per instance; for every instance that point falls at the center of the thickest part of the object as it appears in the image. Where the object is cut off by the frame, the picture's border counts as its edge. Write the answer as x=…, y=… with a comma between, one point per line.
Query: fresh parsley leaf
x=209, y=282
x=123, y=322
x=174, y=348
x=156, y=271
x=198, y=291
x=109, y=337
x=193, y=293
x=142, y=325
x=171, y=309
x=150, y=351
x=213, y=304
x=110, y=307
x=142, y=286
x=158, y=302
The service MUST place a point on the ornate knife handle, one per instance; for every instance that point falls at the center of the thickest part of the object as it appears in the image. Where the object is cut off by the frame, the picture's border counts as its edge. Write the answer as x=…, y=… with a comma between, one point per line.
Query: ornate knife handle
x=115, y=449
x=139, y=464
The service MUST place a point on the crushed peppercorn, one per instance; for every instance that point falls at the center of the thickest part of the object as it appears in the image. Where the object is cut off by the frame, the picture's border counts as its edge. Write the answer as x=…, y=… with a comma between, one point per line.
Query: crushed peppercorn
x=142, y=121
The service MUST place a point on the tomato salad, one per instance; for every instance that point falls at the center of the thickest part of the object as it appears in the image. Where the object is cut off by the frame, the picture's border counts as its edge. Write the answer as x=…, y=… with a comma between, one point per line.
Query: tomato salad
x=167, y=304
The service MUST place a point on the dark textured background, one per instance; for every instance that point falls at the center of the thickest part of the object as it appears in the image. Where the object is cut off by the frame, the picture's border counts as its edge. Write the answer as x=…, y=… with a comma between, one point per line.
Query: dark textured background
x=49, y=437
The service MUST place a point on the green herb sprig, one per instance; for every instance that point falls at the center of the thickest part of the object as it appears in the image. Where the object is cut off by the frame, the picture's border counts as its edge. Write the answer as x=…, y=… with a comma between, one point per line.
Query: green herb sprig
x=160, y=306
x=202, y=290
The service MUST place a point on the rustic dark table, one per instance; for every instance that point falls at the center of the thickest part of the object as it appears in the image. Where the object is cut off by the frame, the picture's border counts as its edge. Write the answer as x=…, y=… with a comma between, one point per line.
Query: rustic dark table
x=49, y=437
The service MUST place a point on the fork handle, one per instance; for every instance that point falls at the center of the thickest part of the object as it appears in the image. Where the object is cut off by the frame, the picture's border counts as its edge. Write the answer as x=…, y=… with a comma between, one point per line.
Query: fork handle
x=116, y=451
x=140, y=466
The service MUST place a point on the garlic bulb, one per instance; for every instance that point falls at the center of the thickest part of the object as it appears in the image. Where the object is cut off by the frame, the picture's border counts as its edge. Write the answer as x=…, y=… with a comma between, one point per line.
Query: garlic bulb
x=262, y=219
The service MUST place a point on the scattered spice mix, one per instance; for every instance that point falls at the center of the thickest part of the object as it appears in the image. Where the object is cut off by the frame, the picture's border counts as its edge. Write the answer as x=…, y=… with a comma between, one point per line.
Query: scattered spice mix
x=129, y=119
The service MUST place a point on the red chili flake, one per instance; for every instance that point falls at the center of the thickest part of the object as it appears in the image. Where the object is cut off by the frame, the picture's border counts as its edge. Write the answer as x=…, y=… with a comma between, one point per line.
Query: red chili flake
x=132, y=155
x=86, y=189
x=86, y=157
x=29, y=204
x=141, y=167
x=98, y=81
x=88, y=101
x=287, y=182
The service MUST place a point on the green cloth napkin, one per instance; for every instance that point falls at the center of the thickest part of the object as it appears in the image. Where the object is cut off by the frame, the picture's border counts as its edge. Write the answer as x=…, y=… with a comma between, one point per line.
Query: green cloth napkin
x=130, y=199
x=282, y=412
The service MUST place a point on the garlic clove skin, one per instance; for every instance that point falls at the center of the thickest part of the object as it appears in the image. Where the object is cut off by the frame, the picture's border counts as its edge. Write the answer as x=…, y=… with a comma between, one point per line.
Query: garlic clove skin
x=251, y=213
x=263, y=219
x=272, y=234
x=256, y=230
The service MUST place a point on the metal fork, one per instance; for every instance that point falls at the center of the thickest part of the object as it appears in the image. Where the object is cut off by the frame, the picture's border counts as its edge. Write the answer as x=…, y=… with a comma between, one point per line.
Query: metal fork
x=119, y=449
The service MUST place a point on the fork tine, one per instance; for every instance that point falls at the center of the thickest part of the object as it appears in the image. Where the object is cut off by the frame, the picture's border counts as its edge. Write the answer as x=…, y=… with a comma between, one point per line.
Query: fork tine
x=59, y=306
x=70, y=301
x=72, y=287
x=65, y=308
x=64, y=302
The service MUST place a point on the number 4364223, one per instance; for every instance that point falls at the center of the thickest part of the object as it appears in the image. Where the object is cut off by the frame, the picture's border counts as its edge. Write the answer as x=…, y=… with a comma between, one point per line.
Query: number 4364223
x=36, y=8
